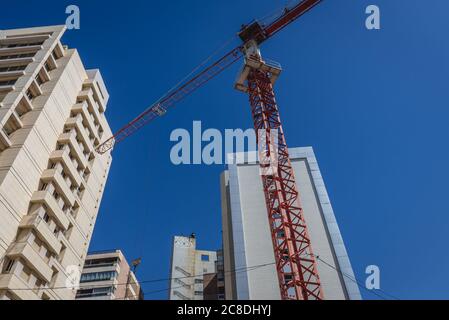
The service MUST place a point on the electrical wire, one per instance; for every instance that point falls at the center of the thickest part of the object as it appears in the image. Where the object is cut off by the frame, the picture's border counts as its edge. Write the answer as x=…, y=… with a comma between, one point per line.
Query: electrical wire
x=168, y=289
x=234, y=271
x=353, y=279
x=152, y=280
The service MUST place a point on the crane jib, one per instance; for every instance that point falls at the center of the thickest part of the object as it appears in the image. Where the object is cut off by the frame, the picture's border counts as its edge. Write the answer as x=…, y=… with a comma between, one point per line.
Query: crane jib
x=254, y=31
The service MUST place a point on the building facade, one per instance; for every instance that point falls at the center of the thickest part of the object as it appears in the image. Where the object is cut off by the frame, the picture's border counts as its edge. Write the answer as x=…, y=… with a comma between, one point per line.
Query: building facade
x=247, y=242
x=51, y=178
x=107, y=276
x=193, y=273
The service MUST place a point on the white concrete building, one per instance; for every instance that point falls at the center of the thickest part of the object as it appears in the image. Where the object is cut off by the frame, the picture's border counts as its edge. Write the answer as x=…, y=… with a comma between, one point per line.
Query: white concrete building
x=51, y=178
x=189, y=270
x=247, y=240
x=108, y=276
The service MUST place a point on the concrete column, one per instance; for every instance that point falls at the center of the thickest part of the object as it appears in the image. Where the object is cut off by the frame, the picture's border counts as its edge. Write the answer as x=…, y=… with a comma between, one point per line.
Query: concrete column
x=32, y=281
x=17, y=268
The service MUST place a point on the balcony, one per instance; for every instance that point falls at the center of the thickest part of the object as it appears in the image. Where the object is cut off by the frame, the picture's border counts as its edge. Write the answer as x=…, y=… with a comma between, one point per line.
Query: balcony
x=23, y=49
x=81, y=108
x=26, y=252
x=31, y=38
x=77, y=123
x=36, y=223
x=5, y=143
x=51, y=175
x=89, y=83
x=13, y=124
x=16, y=285
x=12, y=74
x=86, y=95
x=54, y=210
x=24, y=106
x=9, y=61
x=7, y=87
x=69, y=138
x=63, y=157
x=52, y=62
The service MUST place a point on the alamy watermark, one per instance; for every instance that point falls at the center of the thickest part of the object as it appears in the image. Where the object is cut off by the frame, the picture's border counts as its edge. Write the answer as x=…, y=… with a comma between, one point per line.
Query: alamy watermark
x=372, y=282
x=211, y=146
x=372, y=22
x=73, y=277
x=73, y=20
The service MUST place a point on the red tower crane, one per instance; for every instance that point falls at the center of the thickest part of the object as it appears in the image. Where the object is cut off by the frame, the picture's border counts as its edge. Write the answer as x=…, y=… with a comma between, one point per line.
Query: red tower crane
x=295, y=262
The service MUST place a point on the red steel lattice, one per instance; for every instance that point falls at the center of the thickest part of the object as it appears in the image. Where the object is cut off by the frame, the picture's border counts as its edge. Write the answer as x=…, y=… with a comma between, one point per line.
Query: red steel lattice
x=295, y=262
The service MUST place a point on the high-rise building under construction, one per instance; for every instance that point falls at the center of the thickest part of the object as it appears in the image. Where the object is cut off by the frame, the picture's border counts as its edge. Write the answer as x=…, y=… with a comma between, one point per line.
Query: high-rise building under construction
x=51, y=178
x=247, y=242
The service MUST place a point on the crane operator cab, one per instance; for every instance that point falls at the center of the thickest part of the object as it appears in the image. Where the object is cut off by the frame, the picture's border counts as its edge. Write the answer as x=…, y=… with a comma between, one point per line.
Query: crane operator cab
x=252, y=35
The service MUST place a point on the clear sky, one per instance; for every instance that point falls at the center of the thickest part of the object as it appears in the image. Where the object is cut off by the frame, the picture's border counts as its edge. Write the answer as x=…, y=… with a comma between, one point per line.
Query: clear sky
x=373, y=104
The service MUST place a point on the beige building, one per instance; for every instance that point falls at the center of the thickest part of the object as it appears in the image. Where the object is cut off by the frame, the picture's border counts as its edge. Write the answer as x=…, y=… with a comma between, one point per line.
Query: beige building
x=51, y=178
x=108, y=276
x=193, y=273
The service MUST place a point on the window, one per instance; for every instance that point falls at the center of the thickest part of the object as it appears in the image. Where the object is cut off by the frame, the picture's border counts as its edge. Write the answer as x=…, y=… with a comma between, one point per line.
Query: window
x=46, y=218
x=8, y=266
x=13, y=68
x=204, y=257
x=95, y=292
x=106, y=262
x=47, y=67
x=198, y=281
x=198, y=293
x=18, y=56
x=7, y=82
x=29, y=94
x=98, y=276
x=15, y=45
x=39, y=80
x=44, y=187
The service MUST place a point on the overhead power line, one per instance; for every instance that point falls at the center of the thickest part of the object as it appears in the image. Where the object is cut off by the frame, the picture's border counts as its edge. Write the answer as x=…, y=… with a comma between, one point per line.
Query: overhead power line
x=234, y=271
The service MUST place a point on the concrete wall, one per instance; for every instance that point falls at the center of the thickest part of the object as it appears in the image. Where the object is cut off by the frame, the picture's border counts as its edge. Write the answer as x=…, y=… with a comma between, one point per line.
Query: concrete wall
x=247, y=239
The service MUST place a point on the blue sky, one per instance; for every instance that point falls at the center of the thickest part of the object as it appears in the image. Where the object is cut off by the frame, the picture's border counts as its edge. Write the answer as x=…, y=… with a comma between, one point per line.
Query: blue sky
x=373, y=104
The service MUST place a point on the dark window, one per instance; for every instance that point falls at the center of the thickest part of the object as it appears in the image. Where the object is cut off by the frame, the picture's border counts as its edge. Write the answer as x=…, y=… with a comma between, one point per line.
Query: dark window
x=98, y=276
x=95, y=292
x=93, y=263
x=17, y=45
x=13, y=68
x=30, y=95
x=17, y=56
x=8, y=266
x=7, y=82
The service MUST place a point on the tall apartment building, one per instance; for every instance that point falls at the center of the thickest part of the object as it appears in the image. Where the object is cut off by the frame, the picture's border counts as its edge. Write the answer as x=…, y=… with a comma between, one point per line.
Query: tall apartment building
x=108, y=276
x=51, y=178
x=247, y=242
x=193, y=273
